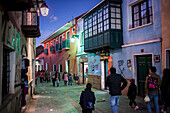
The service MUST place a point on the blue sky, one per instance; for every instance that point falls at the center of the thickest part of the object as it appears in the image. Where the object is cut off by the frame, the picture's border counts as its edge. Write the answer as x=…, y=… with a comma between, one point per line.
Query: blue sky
x=62, y=11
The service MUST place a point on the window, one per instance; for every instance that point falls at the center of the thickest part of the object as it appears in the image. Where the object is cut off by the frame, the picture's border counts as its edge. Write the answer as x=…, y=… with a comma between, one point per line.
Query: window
x=106, y=17
x=142, y=13
x=115, y=16
x=57, y=39
x=5, y=73
x=42, y=67
x=38, y=67
x=90, y=25
x=63, y=35
x=46, y=66
x=68, y=35
x=82, y=38
x=54, y=67
x=95, y=23
x=47, y=46
x=60, y=67
x=53, y=42
x=100, y=23
x=86, y=28
x=73, y=29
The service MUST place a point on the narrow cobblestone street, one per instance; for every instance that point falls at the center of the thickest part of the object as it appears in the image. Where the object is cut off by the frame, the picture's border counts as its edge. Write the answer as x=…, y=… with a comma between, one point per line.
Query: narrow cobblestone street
x=65, y=99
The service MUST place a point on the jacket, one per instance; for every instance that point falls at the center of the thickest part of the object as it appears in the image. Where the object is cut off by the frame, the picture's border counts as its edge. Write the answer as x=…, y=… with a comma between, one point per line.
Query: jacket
x=132, y=91
x=87, y=96
x=114, y=82
x=146, y=84
x=165, y=89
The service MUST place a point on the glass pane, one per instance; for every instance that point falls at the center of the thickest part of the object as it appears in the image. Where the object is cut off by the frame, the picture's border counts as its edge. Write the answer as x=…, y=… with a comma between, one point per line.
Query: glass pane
x=117, y=15
x=144, y=21
x=104, y=28
x=107, y=21
x=136, y=9
x=113, y=26
x=136, y=23
x=112, y=20
x=118, y=26
x=107, y=26
x=150, y=11
x=112, y=9
x=107, y=10
x=143, y=6
x=113, y=15
x=150, y=3
x=118, y=10
x=118, y=21
x=143, y=14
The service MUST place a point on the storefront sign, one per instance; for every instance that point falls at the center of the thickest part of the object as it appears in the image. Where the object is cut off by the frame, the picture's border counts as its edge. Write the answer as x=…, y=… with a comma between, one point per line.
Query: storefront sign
x=110, y=63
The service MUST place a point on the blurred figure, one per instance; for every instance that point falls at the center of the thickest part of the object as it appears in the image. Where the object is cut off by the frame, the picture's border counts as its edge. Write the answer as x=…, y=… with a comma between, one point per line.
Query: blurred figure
x=165, y=89
x=70, y=80
x=53, y=79
x=65, y=78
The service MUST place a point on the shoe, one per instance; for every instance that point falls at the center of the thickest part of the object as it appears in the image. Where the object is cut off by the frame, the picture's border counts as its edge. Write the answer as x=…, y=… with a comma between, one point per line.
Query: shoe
x=136, y=107
x=162, y=111
x=130, y=106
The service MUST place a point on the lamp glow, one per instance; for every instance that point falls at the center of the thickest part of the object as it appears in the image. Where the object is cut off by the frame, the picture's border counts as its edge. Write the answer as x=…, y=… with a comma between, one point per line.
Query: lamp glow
x=44, y=9
x=72, y=39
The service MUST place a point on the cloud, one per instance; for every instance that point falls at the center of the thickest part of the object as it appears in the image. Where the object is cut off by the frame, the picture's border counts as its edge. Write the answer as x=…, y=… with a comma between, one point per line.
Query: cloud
x=53, y=18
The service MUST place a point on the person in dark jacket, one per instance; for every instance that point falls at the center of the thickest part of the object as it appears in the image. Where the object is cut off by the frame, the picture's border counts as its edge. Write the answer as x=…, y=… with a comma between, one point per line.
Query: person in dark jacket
x=114, y=82
x=87, y=99
x=132, y=91
x=165, y=89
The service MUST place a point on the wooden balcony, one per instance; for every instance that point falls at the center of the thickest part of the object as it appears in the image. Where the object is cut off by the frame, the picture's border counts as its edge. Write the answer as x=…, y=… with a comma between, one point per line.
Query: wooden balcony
x=52, y=49
x=66, y=44
x=59, y=47
x=107, y=40
x=46, y=51
x=30, y=24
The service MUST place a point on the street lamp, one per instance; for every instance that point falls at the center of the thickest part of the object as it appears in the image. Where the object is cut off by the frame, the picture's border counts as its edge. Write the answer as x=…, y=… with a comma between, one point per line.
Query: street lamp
x=73, y=37
x=44, y=9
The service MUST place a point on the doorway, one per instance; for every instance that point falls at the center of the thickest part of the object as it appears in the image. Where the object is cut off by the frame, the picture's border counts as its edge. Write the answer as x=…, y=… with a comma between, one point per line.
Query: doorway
x=144, y=62
x=167, y=61
x=104, y=71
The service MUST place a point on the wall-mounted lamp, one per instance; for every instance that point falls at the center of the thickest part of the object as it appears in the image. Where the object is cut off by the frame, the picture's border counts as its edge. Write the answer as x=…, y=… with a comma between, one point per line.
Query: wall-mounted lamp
x=74, y=37
x=44, y=9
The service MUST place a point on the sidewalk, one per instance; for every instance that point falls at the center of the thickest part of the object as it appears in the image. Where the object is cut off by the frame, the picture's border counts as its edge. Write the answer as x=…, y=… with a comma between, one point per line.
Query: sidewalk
x=65, y=99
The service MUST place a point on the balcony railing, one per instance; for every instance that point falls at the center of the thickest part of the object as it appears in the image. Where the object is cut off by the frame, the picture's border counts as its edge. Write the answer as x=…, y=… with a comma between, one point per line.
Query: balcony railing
x=109, y=39
x=46, y=51
x=58, y=47
x=52, y=49
x=30, y=24
x=66, y=44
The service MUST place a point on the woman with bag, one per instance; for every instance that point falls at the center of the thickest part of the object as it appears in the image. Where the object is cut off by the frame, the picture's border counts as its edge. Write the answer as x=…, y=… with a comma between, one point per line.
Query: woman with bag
x=165, y=89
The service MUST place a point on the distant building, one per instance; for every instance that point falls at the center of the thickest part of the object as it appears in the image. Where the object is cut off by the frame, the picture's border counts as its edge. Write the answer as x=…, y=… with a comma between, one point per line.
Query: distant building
x=59, y=51
x=165, y=14
x=39, y=58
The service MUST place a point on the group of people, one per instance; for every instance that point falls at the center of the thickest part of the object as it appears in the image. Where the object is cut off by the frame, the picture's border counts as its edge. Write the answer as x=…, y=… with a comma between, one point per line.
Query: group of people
x=116, y=83
x=43, y=75
x=68, y=78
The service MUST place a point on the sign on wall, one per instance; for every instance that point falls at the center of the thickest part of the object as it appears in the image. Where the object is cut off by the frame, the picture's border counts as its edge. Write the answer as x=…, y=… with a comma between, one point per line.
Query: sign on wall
x=94, y=65
x=110, y=63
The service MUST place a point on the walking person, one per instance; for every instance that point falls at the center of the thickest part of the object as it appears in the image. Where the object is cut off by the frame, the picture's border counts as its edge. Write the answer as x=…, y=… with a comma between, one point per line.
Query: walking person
x=165, y=89
x=152, y=85
x=76, y=78
x=53, y=79
x=70, y=80
x=87, y=99
x=65, y=78
x=114, y=81
x=132, y=91
x=57, y=77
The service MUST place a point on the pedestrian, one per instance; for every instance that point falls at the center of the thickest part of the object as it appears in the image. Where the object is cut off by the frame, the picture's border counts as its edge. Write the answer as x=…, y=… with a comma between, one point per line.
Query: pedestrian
x=47, y=76
x=65, y=78
x=76, y=78
x=165, y=89
x=132, y=91
x=35, y=78
x=53, y=79
x=87, y=99
x=70, y=80
x=114, y=81
x=152, y=85
x=57, y=77
x=41, y=76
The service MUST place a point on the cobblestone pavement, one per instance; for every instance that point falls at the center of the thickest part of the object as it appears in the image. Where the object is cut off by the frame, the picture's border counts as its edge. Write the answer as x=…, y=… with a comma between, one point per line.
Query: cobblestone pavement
x=65, y=99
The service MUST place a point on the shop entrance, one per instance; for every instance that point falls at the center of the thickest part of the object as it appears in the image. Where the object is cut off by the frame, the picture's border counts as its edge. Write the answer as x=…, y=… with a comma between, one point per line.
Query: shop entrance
x=144, y=62
x=104, y=71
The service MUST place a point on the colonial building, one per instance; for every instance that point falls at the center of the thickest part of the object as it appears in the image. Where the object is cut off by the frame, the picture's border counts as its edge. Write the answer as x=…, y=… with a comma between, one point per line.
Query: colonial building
x=60, y=51
x=125, y=34
x=18, y=29
x=39, y=58
x=165, y=17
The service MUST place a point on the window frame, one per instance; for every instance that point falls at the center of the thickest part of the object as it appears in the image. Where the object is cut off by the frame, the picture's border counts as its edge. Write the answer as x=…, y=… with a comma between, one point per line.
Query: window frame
x=148, y=17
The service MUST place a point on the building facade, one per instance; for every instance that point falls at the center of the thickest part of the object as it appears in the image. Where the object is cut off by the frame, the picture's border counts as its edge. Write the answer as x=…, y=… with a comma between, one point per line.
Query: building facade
x=59, y=51
x=165, y=16
x=125, y=35
x=18, y=28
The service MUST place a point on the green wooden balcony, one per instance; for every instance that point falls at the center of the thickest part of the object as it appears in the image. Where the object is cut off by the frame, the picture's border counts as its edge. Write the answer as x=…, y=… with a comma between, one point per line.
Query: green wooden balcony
x=66, y=44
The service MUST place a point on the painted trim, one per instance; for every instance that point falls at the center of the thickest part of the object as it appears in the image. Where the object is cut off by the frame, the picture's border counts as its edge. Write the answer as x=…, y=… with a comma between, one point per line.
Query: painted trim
x=131, y=29
x=141, y=43
x=166, y=56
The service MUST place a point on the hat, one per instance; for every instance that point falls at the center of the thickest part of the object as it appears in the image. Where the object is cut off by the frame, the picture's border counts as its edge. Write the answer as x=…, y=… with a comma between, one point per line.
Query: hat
x=132, y=80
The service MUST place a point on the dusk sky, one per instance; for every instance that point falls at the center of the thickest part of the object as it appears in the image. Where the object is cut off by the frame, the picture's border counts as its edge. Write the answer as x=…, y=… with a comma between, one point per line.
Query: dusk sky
x=62, y=11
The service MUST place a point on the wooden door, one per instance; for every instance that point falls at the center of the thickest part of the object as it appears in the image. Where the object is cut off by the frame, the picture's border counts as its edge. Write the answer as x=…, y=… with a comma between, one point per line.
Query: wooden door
x=144, y=62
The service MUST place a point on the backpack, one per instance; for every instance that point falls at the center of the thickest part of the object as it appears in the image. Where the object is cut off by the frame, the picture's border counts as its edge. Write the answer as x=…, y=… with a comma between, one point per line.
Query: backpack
x=152, y=83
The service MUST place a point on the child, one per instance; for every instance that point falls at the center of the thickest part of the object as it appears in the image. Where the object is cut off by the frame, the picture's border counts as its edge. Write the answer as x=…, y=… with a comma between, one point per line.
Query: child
x=70, y=79
x=53, y=79
x=87, y=99
x=132, y=91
